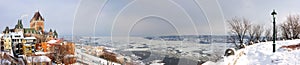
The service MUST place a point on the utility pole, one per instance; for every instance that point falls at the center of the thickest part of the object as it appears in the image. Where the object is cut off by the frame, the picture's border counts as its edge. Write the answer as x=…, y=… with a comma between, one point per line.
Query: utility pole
x=274, y=30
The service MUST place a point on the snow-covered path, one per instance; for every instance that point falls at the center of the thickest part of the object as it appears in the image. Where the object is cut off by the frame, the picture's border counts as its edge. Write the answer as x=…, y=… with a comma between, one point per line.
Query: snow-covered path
x=261, y=54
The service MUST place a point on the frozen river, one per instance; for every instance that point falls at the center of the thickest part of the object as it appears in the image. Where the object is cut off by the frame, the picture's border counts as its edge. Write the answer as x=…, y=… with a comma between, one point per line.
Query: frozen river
x=171, y=52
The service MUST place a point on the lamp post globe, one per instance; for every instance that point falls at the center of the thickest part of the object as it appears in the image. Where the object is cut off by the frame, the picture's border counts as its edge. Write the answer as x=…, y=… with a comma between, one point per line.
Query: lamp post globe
x=273, y=13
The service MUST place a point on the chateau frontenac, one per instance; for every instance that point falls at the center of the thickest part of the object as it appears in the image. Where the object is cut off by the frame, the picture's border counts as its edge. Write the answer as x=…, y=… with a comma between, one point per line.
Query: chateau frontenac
x=34, y=45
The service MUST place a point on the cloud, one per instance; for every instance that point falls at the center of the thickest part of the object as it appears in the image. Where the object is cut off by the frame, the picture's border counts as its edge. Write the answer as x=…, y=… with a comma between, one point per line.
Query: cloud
x=186, y=16
x=164, y=9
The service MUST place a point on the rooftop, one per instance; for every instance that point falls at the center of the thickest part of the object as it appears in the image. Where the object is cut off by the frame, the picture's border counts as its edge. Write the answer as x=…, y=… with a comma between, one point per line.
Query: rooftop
x=37, y=16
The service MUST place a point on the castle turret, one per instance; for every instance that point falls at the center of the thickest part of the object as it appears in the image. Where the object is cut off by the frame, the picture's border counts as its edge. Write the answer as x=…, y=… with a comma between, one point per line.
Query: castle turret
x=6, y=31
x=55, y=34
x=19, y=26
x=37, y=22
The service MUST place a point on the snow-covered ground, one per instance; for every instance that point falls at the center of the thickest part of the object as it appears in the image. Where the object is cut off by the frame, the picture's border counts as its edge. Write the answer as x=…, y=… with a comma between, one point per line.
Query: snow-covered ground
x=261, y=54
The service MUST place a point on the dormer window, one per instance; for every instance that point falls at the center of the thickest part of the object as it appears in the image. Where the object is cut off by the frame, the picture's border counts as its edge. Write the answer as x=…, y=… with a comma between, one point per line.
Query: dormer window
x=17, y=36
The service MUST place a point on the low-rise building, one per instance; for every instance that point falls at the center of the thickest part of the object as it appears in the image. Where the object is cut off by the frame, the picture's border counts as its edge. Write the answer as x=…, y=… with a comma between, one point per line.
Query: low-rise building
x=29, y=45
x=17, y=43
x=6, y=43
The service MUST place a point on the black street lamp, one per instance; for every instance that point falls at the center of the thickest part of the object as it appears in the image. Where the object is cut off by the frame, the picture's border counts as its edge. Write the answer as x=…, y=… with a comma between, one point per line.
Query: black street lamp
x=274, y=30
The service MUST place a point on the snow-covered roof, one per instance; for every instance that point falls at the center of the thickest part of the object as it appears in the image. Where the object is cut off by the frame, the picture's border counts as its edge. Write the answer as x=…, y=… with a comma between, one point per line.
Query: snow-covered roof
x=29, y=38
x=3, y=61
x=52, y=41
x=6, y=36
x=41, y=53
x=1, y=35
x=68, y=56
x=157, y=64
x=39, y=59
x=27, y=44
x=16, y=33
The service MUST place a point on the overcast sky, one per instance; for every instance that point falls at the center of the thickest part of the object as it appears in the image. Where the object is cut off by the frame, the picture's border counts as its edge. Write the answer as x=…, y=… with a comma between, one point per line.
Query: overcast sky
x=143, y=17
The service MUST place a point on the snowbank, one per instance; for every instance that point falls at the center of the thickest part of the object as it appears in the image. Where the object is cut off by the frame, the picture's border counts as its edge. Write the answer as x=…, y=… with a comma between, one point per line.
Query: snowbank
x=261, y=54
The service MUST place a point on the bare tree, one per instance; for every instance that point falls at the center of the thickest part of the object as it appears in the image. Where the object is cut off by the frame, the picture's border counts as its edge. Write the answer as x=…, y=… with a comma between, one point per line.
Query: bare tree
x=255, y=32
x=251, y=33
x=286, y=34
x=233, y=39
x=294, y=22
x=239, y=27
x=268, y=34
x=258, y=30
x=291, y=27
